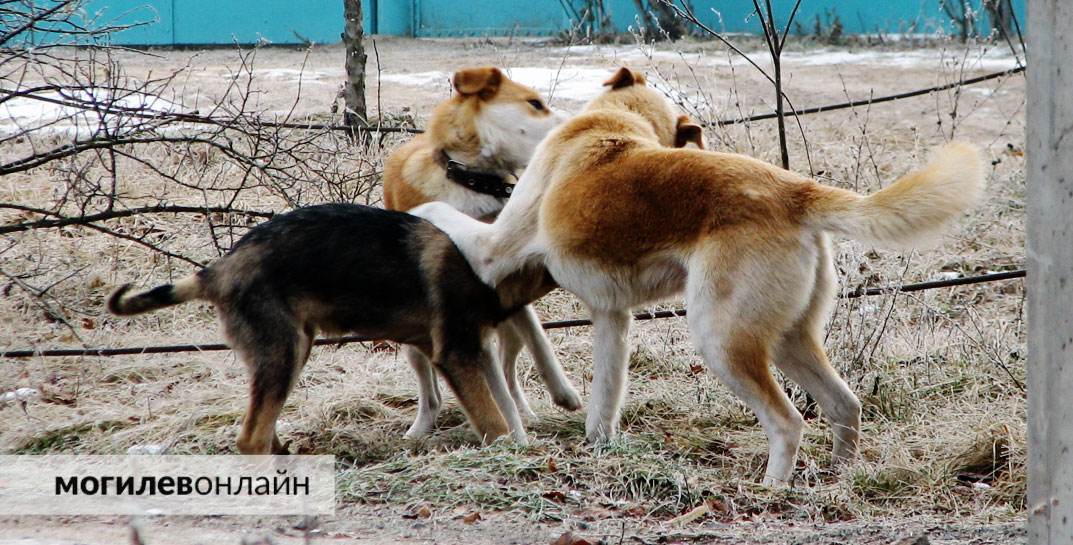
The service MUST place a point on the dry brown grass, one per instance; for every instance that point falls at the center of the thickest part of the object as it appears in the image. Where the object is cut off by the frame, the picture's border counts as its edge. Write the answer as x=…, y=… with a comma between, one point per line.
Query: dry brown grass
x=944, y=423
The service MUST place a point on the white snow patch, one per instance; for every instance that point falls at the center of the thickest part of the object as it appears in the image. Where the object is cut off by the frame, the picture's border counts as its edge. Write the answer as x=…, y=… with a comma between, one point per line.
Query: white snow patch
x=43, y=110
x=77, y=116
x=417, y=79
x=290, y=75
x=21, y=394
x=146, y=449
x=924, y=58
x=990, y=59
x=578, y=83
x=569, y=83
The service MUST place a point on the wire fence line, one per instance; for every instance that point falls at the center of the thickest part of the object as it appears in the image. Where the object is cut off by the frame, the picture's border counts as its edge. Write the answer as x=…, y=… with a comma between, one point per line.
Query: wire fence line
x=876, y=100
x=556, y=324
x=197, y=119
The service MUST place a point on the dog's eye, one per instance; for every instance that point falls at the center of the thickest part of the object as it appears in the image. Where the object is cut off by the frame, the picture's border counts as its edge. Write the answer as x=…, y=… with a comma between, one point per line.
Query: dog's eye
x=536, y=104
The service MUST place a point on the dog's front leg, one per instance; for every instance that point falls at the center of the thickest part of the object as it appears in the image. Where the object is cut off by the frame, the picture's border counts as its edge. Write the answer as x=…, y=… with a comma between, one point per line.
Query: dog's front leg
x=428, y=393
x=527, y=323
x=610, y=354
x=510, y=344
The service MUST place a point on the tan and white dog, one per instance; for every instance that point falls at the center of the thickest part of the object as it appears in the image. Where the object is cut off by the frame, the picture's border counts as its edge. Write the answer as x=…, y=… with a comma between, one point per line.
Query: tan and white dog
x=477, y=141
x=621, y=220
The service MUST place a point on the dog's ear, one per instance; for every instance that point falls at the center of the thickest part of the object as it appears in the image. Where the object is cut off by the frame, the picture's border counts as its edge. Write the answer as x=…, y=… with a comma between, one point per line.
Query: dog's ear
x=688, y=131
x=625, y=78
x=483, y=81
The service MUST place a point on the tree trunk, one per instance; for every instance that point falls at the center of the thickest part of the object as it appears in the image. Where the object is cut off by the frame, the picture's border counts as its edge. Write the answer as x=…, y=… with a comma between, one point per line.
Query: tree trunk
x=354, y=93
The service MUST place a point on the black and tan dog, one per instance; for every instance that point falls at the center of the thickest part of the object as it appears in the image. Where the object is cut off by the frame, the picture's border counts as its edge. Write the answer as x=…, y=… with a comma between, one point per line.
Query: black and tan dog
x=352, y=268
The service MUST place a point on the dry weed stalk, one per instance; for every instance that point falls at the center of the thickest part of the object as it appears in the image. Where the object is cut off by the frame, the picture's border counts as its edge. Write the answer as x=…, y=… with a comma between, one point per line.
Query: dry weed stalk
x=102, y=150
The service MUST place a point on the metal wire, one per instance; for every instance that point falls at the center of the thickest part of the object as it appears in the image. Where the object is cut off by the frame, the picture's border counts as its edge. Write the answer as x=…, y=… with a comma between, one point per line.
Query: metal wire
x=557, y=324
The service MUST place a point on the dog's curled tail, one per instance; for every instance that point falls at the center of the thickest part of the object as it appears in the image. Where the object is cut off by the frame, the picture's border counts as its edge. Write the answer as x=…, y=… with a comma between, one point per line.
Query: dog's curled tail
x=167, y=295
x=911, y=211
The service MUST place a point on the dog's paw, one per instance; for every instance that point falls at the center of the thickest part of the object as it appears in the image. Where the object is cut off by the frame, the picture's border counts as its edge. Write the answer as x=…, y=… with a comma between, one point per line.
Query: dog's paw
x=418, y=430
x=598, y=432
x=280, y=448
x=567, y=398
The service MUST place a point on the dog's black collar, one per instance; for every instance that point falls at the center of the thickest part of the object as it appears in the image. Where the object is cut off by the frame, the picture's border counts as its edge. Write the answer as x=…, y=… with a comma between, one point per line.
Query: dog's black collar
x=488, y=183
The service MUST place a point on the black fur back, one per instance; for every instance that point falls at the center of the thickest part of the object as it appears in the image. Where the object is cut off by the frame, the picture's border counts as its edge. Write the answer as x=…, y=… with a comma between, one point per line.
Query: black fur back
x=353, y=268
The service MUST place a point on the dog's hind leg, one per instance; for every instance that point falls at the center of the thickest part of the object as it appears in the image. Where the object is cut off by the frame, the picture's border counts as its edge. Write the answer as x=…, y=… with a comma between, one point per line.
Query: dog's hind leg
x=466, y=378
x=734, y=333
x=802, y=358
x=493, y=373
x=274, y=357
x=612, y=328
x=510, y=344
x=429, y=400
x=527, y=323
x=304, y=347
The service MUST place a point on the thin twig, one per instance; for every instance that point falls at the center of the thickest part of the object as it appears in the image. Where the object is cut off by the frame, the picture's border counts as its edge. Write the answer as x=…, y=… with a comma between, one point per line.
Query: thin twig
x=63, y=221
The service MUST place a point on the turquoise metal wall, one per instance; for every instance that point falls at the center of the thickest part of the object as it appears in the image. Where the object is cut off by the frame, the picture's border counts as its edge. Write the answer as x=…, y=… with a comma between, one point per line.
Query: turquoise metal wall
x=856, y=16
x=193, y=22
x=205, y=22
x=488, y=17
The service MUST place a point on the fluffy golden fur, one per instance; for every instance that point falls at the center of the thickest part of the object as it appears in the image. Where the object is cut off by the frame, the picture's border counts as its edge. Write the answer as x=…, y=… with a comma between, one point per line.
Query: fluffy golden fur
x=491, y=123
x=620, y=220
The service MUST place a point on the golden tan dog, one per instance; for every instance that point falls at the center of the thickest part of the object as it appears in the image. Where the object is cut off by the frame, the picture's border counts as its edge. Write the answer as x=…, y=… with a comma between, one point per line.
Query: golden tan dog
x=620, y=220
x=476, y=143
x=490, y=127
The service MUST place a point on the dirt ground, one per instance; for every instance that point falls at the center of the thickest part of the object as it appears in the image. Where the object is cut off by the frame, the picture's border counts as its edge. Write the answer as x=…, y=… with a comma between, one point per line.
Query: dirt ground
x=384, y=526
x=939, y=372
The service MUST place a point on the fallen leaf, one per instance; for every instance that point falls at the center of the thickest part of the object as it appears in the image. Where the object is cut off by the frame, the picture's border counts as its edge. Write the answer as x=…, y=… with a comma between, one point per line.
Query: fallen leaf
x=420, y=512
x=716, y=505
x=56, y=398
x=88, y=323
x=383, y=346
x=696, y=369
x=555, y=496
x=552, y=466
x=569, y=538
x=471, y=518
x=918, y=540
x=693, y=514
x=593, y=514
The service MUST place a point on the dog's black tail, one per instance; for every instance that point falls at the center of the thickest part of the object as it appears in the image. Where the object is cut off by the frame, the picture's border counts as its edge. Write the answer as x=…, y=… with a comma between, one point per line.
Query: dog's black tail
x=159, y=297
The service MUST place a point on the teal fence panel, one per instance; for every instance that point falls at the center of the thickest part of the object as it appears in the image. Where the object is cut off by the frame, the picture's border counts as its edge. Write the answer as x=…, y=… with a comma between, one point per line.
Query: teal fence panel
x=146, y=23
x=253, y=21
x=208, y=22
x=152, y=23
x=855, y=16
x=205, y=22
x=489, y=17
